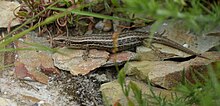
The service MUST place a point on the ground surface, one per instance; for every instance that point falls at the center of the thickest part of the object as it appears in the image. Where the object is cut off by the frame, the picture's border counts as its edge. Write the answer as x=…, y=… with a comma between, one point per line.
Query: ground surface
x=63, y=90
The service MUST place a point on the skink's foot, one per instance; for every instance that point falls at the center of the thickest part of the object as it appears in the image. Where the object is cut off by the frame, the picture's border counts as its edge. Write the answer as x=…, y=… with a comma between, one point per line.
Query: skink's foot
x=85, y=55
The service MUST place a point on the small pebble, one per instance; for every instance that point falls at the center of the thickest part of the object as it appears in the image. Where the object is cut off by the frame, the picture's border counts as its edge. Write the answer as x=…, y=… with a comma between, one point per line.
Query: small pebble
x=99, y=25
x=107, y=25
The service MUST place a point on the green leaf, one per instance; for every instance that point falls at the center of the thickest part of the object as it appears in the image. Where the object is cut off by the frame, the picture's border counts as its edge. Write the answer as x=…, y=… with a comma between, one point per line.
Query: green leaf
x=130, y=103
x=137, y=93
x=116, y=3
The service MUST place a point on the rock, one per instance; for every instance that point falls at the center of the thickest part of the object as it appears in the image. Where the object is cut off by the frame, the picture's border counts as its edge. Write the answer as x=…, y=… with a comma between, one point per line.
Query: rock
x=39, y=76
x=145, y=53
x=168, y=74
x=159, y=52
x=7, y=14
x=7, y=102
x=112, y=92
x=30, y=62
x=21, y=71
x=107, y=25
x=99, y=25
x=42, y=103
x=101, y=78
x=27, y=93
x=120, y=58
x=176, y=31
x=73, y=60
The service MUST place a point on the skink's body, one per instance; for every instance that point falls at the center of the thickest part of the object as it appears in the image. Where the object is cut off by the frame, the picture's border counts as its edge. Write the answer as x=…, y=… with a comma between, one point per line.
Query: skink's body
x=125, y=40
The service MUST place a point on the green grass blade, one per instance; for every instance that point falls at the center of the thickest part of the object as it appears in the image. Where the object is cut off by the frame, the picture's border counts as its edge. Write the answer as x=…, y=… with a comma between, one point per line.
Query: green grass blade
x=78, y=12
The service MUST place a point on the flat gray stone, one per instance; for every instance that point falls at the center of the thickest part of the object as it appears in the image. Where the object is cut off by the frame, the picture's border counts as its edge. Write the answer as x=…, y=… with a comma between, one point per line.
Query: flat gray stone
x=112, y=92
